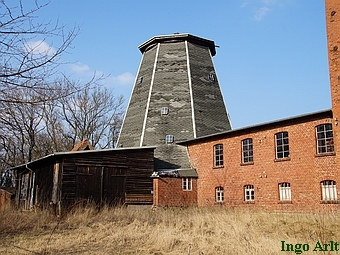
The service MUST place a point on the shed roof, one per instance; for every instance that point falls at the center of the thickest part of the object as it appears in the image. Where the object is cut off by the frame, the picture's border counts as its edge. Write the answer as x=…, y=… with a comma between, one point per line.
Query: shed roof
x=176, y=37
x=70, y=153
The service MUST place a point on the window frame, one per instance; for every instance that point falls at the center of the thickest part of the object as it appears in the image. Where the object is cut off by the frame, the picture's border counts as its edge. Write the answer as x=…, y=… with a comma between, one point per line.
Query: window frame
x=285, y=191
x=282, y=145
x=164, y=110
x=169, y=139
x=249, y=193
x=211, y=77
x=187, y=184
x=219, y=194
x=328, y=190
x=324, y=139
x=250, y=158
x=218, y=155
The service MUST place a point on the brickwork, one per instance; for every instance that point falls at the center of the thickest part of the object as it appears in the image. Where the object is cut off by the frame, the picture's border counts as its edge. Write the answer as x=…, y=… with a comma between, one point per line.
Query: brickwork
x=333, y=38
x=169, y=192
x=304, y=169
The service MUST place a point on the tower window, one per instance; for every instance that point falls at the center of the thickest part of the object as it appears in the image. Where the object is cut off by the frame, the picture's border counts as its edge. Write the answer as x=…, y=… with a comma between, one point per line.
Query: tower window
x=211, y=77
x=164, y=111
x=169, y=138
x=140, y=80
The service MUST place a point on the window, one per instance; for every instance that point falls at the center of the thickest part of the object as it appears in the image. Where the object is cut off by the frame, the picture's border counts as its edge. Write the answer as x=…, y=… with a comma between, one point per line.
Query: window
x=219, y=191
x=164, y=110
x=282, y=146
x=285, y=192
x=249, y=193
x=140, y=80
x=187, y=184
x=169, y=138
x=328, y=190
x=324, y=136
x=218, y=155
x=247, y=150
x=211, y=77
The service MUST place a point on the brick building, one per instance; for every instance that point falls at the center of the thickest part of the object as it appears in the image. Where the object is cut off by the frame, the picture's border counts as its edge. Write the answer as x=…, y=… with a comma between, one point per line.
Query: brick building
x=289, y=164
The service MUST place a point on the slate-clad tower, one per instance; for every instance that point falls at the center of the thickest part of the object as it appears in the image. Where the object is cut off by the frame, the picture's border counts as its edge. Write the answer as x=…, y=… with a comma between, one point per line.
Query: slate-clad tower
x=176, y=96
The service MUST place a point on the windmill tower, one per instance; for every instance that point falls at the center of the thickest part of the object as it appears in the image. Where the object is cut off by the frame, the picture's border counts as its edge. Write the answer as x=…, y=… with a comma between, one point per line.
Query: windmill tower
x=176, y=96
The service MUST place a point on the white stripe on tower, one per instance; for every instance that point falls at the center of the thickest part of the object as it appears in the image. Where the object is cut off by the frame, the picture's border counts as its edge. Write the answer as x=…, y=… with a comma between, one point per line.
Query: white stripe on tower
x=190, y=88
x=149, y=97
x=131, y=93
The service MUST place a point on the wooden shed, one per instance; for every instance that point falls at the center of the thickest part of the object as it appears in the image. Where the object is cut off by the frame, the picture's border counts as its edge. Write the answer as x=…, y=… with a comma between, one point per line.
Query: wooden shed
x=6, y=197
x=113, y=176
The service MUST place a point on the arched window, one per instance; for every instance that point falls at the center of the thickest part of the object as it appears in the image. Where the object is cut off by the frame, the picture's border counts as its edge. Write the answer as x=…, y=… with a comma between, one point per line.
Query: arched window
x=285, y=191
x=328, y=190
x=249, y=193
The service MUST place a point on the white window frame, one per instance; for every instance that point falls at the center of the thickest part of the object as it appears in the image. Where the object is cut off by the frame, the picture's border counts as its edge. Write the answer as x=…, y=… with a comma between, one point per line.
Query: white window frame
x=165, y=111
x=249, y=193
x=140, y=80
x=219, y=194
x=169, y=139
x=218, y=157
x=247, y=150
x=285, y=191
x=211, y=77
x=328, y=190
x=283, y=144
x=187, y=184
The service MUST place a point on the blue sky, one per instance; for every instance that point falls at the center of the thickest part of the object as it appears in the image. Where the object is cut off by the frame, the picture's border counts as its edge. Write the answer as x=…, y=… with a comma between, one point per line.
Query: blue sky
x=271, y=64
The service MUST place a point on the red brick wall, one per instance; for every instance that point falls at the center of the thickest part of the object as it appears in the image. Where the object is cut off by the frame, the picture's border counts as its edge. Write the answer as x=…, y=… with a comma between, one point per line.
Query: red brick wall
x=168, y=192
x=304, y=170
x=333, y=38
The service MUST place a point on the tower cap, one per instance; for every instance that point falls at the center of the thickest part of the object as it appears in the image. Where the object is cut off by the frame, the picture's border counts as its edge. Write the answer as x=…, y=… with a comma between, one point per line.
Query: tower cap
x=176, y=37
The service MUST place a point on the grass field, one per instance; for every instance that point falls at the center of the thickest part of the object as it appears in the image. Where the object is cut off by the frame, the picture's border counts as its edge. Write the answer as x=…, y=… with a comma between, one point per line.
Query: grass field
x=135, y=230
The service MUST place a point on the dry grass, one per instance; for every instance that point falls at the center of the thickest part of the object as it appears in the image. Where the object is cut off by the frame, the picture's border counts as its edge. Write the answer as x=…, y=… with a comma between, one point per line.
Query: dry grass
x=144, y=230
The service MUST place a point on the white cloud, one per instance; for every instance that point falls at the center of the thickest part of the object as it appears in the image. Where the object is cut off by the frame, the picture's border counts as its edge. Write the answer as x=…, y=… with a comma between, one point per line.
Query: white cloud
x=124, y=79
x=260, y=13
x=39, y=48
x=79, y=67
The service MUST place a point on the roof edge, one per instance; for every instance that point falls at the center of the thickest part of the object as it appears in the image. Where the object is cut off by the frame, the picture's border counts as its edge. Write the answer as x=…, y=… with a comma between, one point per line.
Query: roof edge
x=257, y=126
x=178, y=37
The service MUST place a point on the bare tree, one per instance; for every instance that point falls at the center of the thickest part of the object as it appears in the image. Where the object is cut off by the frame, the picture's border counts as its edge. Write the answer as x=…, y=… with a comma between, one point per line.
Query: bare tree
x=27, y=53
x=94, y=114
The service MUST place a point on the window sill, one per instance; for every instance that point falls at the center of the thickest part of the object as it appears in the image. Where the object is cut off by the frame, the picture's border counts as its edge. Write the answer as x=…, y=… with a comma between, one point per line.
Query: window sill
x=325, y=154
x=330, y=202
x=217, y=167
x=285, y=202
x=281, y=159
x=247, y=164
x=249, y=202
